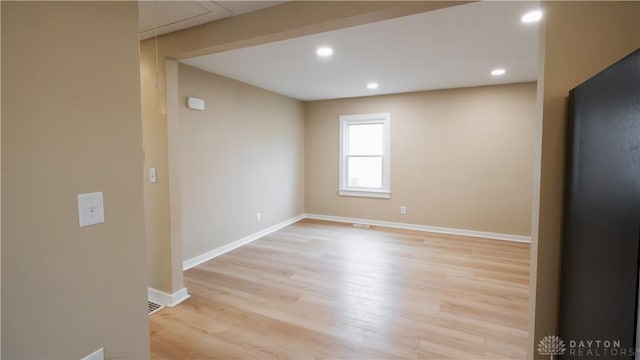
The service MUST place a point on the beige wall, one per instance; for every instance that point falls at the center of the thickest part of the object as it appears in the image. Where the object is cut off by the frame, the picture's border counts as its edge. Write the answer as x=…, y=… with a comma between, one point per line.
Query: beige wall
x=71, y=124
x=160, y=267
x=292, y=19
x=0, y=185
x=244, y=154
x=579, y=40
x=460, y=158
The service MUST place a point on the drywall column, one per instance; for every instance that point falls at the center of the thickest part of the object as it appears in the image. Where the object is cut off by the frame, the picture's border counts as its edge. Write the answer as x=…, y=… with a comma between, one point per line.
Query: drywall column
x=0, y=177
x=71, y=125
x=175, y=196
x=156, y=195
x=580, y=39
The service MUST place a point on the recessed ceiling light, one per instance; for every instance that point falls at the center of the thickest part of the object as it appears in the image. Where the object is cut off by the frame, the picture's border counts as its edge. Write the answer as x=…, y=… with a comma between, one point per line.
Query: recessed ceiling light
x=498, y=72
x=324, y=51
x=372, y=85
x=531, y=16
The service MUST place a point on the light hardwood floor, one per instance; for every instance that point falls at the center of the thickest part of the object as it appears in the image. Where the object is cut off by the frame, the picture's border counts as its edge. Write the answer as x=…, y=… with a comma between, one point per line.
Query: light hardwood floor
x=319, y=289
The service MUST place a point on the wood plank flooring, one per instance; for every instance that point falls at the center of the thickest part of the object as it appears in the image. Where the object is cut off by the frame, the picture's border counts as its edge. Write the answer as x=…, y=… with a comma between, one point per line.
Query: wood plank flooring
x=319, y=289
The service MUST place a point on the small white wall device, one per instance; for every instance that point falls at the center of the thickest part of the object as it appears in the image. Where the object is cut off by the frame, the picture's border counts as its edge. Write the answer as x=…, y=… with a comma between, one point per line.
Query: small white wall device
x=194, y=103
x=90, y=209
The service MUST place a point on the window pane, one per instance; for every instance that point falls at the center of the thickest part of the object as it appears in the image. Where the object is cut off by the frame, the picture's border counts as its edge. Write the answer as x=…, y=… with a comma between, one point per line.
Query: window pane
x=364, y=172
x=365, y=139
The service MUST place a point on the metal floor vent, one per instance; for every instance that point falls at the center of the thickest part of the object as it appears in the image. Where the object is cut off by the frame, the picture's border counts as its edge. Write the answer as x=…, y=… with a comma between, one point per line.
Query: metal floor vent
x=153, y=307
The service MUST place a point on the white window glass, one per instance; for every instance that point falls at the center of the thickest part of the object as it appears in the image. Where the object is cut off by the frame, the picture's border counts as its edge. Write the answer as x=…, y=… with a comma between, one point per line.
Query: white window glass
x=365, y=172
x=364, y=155
x=365, y=139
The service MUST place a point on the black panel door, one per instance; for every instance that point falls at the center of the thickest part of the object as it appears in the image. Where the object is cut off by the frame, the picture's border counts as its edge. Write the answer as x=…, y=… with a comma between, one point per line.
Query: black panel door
x=599, y=283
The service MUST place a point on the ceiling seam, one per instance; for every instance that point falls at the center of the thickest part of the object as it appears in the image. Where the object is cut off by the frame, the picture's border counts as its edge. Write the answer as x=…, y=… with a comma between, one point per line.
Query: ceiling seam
x=179, y=21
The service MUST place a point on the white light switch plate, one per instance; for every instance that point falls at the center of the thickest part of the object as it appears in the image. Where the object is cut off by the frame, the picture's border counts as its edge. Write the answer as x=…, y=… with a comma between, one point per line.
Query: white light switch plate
x=90, y=209
x=96, y=355
x=153, y=175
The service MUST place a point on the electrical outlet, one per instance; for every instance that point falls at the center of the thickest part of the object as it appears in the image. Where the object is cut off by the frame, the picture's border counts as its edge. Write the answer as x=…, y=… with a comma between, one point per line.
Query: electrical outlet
x=403, y=210
x=258, y=217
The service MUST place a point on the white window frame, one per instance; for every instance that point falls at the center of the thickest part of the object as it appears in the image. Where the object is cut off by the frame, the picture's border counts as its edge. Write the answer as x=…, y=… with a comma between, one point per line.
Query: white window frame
x=361, y=119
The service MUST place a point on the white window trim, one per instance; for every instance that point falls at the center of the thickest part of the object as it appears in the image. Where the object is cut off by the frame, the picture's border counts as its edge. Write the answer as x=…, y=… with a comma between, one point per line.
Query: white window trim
x=378, y=118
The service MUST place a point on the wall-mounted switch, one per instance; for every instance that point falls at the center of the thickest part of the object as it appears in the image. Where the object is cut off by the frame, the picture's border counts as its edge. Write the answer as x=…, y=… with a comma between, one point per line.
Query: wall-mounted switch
x=96, y=355
x=403, y=210
x=153, y=175
x=258, y=217
x=90, y=209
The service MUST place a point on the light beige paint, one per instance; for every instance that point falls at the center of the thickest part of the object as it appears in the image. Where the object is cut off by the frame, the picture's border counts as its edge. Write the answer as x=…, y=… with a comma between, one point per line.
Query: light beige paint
x=0, y=179
x=71, y=124
x=242, y=155
x=580, y=40
x=292, y=19
x=175, y=194
x=160, y=267
x=460, y=158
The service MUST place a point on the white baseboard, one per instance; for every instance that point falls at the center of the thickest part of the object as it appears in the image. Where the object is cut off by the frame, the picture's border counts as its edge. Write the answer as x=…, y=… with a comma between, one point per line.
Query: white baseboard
x=170, y=300
x=195, y=261
x=435, y=229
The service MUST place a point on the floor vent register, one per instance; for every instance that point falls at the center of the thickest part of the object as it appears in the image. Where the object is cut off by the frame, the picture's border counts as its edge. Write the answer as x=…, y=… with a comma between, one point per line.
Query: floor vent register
x=153, y=307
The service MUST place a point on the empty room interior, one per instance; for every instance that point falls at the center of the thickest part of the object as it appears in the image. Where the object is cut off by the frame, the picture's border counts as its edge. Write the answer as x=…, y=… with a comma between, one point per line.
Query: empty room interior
x=289, y=179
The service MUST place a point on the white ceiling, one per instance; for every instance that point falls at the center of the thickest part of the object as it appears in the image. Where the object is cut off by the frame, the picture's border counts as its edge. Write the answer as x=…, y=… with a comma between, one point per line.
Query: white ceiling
x=162, y=17
x=448, y=48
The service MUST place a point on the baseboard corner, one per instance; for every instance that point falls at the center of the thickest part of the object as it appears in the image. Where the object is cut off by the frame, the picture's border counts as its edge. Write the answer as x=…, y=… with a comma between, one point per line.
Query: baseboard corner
x=165, y=299
x=199, y=259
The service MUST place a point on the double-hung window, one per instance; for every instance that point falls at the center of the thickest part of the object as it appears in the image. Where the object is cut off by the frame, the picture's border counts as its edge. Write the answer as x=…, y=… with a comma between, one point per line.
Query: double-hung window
x=364, y=155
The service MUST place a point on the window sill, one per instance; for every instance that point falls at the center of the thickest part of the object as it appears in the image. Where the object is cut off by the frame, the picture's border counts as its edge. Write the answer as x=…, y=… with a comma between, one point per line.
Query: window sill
x=365, y=193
